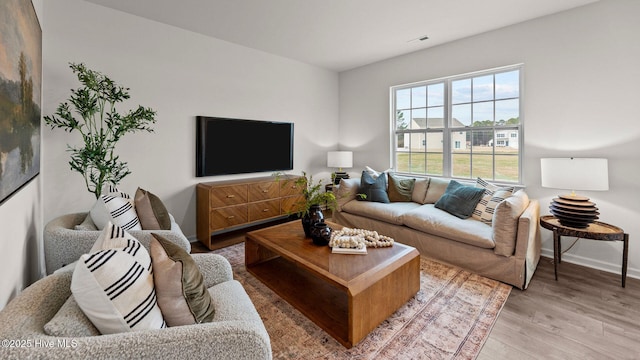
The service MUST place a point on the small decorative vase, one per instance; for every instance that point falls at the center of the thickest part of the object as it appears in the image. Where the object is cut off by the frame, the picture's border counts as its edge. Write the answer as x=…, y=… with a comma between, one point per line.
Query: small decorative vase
x=311, y=218
x=321, y=234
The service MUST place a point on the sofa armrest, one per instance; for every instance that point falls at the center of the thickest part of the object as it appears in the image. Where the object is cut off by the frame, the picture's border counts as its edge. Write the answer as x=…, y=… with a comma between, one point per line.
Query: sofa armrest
x=64, y=245
x=528, y=243
x=346, y=191
x=214, y=268
x=528, y=235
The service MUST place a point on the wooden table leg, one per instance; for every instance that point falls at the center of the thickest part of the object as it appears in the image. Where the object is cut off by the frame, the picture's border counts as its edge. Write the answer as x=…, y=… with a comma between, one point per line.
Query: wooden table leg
x=556, y=252
x=625, y=254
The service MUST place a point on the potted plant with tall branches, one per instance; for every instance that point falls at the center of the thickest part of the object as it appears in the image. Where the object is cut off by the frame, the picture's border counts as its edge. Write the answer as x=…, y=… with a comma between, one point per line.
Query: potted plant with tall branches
x=314, y=196
x=100, y=125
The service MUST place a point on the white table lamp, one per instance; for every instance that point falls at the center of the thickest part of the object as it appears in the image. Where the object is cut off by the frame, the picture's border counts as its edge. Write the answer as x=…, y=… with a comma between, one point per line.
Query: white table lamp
x=340, y=160
x=588, y=174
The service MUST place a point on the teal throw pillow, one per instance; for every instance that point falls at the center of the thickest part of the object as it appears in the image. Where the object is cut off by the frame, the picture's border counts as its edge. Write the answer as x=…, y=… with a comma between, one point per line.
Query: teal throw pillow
x=459, y=200
x=374, y=189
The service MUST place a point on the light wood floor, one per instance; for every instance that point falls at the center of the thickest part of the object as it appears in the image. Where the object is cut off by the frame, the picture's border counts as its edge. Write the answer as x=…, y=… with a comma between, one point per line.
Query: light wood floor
x=586, y=314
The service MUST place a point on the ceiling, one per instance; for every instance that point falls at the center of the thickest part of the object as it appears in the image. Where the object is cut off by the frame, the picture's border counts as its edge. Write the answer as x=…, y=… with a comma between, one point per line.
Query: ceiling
x=340, y=34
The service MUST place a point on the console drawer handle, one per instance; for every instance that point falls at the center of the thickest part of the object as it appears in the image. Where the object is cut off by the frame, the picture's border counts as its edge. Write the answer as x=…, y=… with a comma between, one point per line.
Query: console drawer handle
x=231, y=196
x=265, y=210
x=231, y=216
x=265, y=191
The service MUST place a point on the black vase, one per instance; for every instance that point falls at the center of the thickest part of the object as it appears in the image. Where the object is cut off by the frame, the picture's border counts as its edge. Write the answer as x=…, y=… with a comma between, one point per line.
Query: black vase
x=321, y=234
x=312, y=217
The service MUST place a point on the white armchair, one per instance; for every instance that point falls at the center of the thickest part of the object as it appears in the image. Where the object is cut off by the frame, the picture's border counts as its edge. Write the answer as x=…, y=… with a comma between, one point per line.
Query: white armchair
x=63, y=244
x=236, y=332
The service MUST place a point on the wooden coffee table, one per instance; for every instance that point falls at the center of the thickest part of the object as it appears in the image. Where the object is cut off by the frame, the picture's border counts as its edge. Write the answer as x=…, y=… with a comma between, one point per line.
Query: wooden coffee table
x=346, y=295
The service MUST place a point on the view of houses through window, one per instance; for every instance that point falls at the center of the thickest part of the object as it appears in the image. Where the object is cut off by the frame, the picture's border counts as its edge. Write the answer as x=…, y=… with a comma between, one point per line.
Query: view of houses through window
x=463, y=127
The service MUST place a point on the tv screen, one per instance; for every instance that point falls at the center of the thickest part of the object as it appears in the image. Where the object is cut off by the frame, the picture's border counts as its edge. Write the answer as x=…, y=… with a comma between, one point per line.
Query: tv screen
x=235, y=146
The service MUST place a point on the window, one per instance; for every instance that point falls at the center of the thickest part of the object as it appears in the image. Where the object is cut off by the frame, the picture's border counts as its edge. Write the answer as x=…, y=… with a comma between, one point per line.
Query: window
x=462, y=127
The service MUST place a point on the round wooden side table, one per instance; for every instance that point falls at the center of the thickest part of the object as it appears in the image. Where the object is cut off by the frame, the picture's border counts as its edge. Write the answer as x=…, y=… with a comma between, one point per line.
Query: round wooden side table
x=595, y=231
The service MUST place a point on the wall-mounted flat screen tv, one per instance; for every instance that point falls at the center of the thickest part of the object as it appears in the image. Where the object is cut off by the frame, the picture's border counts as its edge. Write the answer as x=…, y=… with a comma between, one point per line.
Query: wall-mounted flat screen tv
x=235, y=146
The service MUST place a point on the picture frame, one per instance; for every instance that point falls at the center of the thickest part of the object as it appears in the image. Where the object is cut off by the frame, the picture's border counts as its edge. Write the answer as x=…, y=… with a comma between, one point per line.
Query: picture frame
x=20, y=95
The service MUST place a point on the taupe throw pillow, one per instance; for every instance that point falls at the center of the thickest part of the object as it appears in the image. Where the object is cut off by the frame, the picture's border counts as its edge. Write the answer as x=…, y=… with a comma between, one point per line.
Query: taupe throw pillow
x=182, y=296
x=505, y=222
x=151, y=211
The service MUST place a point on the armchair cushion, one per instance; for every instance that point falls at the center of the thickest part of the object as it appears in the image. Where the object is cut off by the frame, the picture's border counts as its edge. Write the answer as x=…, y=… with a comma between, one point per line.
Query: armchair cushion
x=70, y=321
x=182, y=296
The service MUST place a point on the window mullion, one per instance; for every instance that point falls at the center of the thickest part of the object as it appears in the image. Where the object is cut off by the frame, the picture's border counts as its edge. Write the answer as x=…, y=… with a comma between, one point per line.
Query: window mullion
x=446, y=132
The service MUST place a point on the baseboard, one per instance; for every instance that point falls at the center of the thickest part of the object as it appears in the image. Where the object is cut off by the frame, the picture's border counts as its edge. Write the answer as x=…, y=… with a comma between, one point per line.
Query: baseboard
x=594, y=264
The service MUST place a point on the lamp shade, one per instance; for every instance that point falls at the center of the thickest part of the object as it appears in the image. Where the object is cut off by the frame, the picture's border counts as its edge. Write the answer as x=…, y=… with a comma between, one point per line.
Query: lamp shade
x=340, y=159
x=589, y=174
x=575, y=174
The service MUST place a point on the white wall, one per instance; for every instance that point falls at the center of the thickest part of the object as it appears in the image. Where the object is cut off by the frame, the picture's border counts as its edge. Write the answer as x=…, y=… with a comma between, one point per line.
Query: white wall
x=21, y=224
x=180, y=74
x=580, y=99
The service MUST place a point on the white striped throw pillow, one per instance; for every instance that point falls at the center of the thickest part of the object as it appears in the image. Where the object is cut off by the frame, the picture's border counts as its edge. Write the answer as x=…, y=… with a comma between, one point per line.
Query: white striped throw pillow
x=117, y=207
x=114, y=286
x=493, y=195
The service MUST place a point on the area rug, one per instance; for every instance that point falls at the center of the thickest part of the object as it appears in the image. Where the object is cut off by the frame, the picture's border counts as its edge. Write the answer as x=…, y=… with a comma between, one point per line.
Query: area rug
x=449, y=318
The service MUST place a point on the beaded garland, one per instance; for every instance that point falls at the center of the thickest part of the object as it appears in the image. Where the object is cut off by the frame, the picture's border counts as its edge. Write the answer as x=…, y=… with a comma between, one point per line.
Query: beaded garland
x=358, y=239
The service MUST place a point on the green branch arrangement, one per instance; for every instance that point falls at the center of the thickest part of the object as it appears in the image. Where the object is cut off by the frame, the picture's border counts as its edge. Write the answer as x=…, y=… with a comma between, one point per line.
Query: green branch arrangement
x=100, y=125
x=314, y=194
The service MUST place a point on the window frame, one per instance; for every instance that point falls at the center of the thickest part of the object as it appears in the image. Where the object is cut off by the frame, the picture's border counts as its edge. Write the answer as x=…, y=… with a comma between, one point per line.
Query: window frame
x=447, y=129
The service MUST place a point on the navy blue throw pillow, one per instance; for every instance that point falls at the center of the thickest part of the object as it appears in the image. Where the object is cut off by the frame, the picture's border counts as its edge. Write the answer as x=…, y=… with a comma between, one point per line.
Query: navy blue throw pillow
x=459, y=200
x=374, y=189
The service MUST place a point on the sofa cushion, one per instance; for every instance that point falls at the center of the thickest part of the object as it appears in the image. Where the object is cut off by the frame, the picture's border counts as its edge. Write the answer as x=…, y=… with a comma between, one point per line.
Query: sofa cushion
x=429, y=219
x=114, y=287
x=374, y=189
x=420, y=190
x=115, y=208
x=390, y=212
x=70, y=321
x=437, y=187
x=493, y=195
x=459, y=200
x=505, y=222
x=400, y=188
x=182, y=296
x=151, y=211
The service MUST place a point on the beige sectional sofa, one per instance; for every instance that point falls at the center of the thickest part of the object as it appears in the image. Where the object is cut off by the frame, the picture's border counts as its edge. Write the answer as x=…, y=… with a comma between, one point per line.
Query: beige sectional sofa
x=508, y=250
